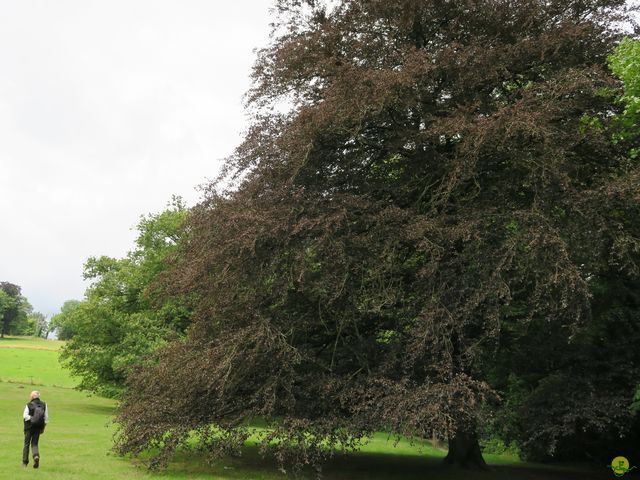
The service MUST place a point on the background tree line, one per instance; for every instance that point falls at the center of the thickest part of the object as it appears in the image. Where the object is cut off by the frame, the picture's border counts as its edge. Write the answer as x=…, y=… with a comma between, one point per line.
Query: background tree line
x=440, y=238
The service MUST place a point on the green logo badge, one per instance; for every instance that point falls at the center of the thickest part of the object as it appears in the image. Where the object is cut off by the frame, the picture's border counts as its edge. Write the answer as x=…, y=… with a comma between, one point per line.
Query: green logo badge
x=620, y=466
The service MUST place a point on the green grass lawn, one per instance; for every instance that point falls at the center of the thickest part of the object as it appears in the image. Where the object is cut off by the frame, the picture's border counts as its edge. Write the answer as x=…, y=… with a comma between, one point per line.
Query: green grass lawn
x=76, y=445
x=33, y=362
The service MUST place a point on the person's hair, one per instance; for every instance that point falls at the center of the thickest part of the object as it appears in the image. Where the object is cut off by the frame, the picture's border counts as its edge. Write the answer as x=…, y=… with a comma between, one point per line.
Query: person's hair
x=35, y=394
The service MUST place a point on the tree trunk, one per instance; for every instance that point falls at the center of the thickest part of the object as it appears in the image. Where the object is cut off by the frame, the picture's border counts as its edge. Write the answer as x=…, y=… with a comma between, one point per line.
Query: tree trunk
x=435, y=441
x=464, y=450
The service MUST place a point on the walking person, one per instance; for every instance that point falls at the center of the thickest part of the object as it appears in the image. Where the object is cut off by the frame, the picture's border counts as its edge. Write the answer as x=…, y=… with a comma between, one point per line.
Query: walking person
x=36, y=416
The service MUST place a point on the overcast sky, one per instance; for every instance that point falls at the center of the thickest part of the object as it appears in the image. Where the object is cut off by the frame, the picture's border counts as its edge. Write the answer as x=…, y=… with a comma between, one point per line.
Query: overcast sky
x=107, y=108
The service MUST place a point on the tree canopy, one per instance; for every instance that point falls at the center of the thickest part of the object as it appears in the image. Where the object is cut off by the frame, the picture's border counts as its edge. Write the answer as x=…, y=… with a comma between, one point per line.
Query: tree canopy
x=63, y=323
x=442, y=206
x=624, y=63
x=7, y=305
x=121, y=320
x=14, y=311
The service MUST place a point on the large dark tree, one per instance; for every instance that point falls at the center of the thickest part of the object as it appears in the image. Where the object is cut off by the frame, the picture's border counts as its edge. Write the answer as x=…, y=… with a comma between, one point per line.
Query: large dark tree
x=441, y=188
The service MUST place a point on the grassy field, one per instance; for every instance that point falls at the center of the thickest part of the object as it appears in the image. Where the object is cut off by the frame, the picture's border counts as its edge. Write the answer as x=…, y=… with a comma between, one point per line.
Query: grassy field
x=77, y=442
x=32, y=362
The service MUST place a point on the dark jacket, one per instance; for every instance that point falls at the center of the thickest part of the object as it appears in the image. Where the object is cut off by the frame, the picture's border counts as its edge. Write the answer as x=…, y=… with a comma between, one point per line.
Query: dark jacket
x=32, y=407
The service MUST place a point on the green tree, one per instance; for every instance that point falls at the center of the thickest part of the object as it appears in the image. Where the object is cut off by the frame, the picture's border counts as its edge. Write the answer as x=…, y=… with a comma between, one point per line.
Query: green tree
x=62, y=323
x=14, y=309
x=624, y=63
x=26, y=323
x=122, y=319
x=38, y=324
x=433, y=201
x=7, y=304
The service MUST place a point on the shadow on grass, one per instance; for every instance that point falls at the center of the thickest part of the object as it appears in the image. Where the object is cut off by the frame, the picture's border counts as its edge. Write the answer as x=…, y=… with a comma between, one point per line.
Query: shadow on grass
x=107, y=410
x=363, y=466
x=382, y=466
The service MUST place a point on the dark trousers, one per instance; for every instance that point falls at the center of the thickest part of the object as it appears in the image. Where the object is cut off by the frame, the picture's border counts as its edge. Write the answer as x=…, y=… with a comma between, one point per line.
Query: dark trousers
x=31, y=437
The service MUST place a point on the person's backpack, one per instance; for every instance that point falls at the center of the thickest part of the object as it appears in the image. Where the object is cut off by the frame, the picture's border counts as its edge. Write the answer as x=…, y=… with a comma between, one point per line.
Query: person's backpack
x=37, y=419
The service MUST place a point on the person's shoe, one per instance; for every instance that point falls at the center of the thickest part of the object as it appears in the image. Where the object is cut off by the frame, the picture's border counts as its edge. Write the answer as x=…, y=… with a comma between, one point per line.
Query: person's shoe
x=36, y=462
